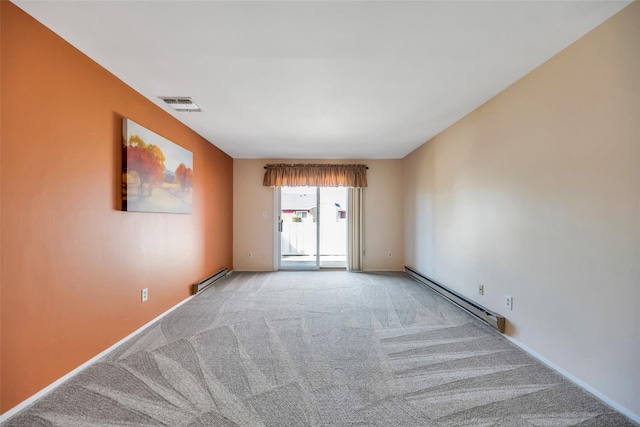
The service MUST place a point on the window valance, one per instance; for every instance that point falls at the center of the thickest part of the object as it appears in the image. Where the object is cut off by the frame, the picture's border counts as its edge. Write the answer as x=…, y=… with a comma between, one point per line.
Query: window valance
x=315, y=175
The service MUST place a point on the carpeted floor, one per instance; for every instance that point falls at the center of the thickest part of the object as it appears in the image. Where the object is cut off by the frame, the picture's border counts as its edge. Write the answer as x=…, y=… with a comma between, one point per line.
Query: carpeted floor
x=321, y=348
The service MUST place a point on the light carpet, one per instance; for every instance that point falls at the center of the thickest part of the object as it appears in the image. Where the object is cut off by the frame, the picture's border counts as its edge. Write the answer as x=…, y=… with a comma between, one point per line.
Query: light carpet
x=325, y=348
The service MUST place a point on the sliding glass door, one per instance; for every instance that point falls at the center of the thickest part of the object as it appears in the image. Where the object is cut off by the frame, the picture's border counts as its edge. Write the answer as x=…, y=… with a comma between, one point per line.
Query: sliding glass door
x=311, y=228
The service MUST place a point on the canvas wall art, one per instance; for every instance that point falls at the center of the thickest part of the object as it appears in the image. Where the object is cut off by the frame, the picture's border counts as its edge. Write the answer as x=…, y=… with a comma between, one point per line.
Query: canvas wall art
x=157, y=175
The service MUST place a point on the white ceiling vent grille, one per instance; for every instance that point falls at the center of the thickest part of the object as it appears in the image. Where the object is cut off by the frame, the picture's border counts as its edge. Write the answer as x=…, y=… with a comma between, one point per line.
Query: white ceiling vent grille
x=181, y=103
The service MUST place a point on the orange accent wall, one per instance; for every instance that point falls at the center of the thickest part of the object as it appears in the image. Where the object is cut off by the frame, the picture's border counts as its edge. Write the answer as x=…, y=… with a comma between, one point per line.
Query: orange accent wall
x=72, y=264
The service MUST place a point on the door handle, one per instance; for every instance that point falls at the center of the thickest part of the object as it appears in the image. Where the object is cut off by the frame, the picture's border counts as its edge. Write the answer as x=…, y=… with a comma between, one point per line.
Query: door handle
x=280, y=225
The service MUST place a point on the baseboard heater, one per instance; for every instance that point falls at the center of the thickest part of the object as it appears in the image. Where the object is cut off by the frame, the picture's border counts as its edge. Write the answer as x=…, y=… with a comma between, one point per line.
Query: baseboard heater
x=208, y=281
x=489, y=317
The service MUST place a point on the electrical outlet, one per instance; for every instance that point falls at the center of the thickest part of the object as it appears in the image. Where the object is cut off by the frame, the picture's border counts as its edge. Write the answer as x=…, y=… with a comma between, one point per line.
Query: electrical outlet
x=481, y=289
x=144, y=294
x=249, y=254
x=508, y=302
x=389, y=254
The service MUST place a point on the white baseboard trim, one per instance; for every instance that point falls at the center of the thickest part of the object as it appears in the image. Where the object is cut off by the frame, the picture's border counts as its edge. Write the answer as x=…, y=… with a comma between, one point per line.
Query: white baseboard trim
x=615, y=405
x=22, y=405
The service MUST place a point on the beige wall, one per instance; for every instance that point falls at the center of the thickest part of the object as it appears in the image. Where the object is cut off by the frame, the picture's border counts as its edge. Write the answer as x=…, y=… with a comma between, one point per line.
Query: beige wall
x=537, y=195
x=254, y=233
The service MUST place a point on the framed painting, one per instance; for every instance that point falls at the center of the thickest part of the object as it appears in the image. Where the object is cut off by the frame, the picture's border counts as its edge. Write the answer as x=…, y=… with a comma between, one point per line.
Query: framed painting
x=157, y=175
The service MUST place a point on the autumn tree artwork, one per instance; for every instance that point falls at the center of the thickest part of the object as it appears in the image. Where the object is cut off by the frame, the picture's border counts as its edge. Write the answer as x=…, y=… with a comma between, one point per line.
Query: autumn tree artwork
x=157, y=175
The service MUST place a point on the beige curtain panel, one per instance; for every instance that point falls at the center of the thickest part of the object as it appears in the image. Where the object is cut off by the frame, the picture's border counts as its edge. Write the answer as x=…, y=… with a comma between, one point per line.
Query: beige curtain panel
x=315, y=175
x=355, y=229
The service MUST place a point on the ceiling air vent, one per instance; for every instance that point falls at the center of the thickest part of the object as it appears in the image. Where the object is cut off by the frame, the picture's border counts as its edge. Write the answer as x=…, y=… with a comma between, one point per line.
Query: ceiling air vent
x=181, y=103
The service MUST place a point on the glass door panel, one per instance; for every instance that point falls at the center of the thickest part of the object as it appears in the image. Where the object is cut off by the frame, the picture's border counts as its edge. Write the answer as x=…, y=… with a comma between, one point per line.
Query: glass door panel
x=298, y=226
x=333, y=228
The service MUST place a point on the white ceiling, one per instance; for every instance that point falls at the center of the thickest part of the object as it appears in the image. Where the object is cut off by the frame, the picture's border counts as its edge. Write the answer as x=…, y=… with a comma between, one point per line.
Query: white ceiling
x=321, y=79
